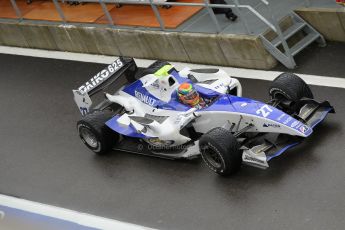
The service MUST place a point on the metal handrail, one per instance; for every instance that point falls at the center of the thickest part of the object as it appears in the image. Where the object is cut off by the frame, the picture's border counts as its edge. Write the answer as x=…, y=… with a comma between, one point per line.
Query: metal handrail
x=272, y=22
x=16, y=9
x=227, y=6
x=154, y=5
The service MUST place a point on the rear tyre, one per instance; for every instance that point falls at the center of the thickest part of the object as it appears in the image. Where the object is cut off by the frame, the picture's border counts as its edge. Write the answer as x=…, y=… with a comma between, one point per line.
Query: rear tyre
x=221, y=151
x=289, y=86
x=95, y=134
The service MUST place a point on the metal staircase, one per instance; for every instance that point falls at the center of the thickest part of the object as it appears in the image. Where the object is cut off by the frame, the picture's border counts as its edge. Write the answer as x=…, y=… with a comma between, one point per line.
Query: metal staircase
x=299, y=30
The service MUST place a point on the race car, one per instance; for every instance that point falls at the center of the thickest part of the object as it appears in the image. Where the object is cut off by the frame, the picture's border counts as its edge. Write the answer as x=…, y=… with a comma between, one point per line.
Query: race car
x=141, y=112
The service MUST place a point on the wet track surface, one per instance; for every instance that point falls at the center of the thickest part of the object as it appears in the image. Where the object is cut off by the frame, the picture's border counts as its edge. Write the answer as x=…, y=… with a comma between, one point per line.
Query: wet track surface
x=322, y=61
x=42, y=159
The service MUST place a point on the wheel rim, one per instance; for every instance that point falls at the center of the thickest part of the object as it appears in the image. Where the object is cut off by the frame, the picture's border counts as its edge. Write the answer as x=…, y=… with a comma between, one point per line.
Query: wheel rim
x=89, y=137
x=212, y=157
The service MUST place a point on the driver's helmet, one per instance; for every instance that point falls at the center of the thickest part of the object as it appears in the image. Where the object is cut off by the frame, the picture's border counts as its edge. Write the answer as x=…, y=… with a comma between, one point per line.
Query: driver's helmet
x=188, y=95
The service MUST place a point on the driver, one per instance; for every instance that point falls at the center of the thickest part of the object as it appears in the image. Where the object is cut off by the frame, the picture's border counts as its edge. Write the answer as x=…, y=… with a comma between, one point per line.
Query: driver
x=189, y=96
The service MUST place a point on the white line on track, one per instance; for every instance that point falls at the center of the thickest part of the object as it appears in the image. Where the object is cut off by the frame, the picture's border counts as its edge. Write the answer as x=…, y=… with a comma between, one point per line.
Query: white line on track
x=82, y=219
x=236, y=72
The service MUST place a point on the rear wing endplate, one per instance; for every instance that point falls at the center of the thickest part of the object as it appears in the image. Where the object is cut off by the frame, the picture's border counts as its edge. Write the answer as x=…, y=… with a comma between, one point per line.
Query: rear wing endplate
x=102, y=80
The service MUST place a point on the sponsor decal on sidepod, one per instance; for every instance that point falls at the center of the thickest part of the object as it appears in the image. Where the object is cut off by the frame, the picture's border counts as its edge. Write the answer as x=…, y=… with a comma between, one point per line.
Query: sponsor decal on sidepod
x=144, y=98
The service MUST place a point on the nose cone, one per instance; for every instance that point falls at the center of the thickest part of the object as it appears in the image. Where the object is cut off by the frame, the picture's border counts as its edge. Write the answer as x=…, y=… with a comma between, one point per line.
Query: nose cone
x=263, y=112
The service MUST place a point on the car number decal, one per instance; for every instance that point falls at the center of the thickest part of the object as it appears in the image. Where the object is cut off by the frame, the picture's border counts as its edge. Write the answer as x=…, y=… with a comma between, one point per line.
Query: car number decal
x=264, y=111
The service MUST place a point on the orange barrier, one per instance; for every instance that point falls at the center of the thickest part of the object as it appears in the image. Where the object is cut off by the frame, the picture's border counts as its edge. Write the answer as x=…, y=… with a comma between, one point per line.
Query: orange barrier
x=127, y=15
x=87, y=13
x=7, y=11
x=134, y=15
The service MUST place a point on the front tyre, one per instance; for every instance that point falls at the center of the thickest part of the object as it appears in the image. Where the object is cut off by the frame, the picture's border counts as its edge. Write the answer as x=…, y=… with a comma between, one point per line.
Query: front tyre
x=95, y=134
x=289, y=86
x=221, y=151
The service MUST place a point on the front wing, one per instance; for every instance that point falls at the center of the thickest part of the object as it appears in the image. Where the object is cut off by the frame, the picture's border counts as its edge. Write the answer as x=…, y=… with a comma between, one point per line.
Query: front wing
x=264, y=147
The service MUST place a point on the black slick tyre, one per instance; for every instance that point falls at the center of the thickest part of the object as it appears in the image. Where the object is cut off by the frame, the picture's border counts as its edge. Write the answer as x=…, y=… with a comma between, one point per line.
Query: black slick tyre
x=220, y=151
x=290, y=87
x=95, y=134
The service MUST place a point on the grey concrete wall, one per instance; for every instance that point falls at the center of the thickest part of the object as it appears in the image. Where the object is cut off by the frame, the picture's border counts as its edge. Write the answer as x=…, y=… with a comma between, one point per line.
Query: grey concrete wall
x=329, y=22
x=224, y=50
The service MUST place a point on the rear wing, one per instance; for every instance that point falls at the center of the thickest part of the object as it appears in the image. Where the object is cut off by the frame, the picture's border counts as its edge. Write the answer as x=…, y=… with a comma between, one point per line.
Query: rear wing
x=121, y=69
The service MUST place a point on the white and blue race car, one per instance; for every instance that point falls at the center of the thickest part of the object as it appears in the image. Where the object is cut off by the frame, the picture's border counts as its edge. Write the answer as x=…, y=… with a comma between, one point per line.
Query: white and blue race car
x=141, y=113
